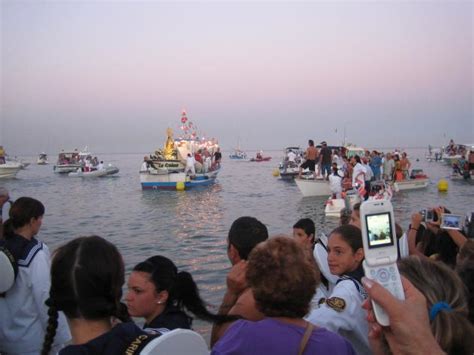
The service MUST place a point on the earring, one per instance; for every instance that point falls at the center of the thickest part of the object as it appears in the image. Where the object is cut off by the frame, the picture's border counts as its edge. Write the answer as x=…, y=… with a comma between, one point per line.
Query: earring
x=159, y=302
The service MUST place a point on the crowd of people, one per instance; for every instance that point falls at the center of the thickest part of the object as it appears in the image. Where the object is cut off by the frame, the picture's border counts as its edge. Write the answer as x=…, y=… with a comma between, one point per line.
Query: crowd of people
x=303, y=293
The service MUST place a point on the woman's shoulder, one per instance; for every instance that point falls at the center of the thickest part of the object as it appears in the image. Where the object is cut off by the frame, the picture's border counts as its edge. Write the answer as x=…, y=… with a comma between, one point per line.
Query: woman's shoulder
x=171, y=318
x=324, y=337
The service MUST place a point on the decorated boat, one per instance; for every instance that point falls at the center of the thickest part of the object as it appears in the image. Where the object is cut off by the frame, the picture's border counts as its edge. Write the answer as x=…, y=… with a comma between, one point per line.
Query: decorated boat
x=165, y=169
x=313, y=187
x=417, y=180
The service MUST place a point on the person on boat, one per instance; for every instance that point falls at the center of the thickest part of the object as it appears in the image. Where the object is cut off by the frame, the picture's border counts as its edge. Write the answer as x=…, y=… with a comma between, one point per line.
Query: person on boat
x=388, y=167
x=335, y=182
x=375, y=164
x=398, y=171
x=325, y=159
x=217, y=158
x=2, y=155
x=291, y=156
x=190, y=162
x=198, y=161
x=342, y=312
x=100, y=166
x=259, y=155
x=358, y=175
x=310, y=156
x=160, y=294
x=87, y=275
x=24, y=314
x=244, y=234
x=405, y=165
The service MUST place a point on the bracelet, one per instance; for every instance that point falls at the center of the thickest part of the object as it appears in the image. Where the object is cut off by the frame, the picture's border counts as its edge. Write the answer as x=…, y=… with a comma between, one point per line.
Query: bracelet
x=414, y=229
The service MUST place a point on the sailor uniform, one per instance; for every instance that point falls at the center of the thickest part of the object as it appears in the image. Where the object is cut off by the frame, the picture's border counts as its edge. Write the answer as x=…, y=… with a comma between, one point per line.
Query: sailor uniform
x=342, y=313
x=124, y=338
x=24, y=315
x=171, y=318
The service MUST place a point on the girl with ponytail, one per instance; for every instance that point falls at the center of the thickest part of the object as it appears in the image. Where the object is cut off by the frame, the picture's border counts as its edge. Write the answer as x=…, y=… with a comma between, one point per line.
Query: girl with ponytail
x=159, y=293
x=446, y=301
x=23, y=312
x=87, y=275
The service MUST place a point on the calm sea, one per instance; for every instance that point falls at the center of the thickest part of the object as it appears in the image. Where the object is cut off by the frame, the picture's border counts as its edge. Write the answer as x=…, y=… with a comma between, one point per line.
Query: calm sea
x=190, y=227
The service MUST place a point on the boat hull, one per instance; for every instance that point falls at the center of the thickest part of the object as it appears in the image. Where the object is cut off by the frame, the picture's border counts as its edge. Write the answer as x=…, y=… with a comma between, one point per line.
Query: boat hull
x=334, y=206
x=262, y=159
x=89, y=174
x=9, y=170
x=65, y=169
x=312, y=187
x=156, y=180
x=413, y=184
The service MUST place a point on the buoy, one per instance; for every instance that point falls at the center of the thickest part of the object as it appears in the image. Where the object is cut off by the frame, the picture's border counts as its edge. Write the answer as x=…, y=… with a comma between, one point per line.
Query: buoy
x=442, y=185
x=180, y=186
x=276, y=172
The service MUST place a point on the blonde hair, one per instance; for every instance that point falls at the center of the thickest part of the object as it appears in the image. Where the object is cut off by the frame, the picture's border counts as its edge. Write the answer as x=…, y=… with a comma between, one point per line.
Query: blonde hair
x=438, y=283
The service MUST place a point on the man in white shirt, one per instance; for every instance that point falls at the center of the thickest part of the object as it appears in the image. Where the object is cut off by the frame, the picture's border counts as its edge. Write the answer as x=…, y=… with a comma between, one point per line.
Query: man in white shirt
x=190, y=161
x=291, y=156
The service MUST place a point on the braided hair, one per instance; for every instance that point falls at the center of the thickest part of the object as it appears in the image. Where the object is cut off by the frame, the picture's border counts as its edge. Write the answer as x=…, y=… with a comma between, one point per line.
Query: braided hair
x=87, y=275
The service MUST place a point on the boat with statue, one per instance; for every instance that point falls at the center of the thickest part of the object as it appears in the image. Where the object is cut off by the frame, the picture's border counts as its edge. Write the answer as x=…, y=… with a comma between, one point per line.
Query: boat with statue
x=166, y=168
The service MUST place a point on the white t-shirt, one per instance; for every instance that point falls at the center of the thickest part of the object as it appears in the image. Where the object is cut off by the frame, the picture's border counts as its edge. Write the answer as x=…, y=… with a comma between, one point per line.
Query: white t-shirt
x=358, y=173
x=190, y=161
x=291, y=156
x=369, y=174
x=335, y=183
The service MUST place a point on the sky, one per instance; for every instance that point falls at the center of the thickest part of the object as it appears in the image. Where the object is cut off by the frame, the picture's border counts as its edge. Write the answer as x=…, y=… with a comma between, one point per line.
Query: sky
x=114, y=75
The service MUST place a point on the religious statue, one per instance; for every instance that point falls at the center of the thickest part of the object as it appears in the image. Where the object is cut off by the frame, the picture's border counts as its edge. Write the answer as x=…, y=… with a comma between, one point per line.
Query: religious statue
x=169, y=149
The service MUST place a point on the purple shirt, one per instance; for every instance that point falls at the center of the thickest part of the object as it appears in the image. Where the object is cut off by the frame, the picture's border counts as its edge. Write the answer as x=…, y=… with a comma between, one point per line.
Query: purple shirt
x=271, y=336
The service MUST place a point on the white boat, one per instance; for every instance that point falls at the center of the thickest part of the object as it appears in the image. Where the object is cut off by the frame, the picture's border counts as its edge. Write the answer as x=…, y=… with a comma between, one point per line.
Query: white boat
x=238, y=155
x=111, y=169
x=313, y=187
x=88, y=174
x=166, y=169
x=288, y=170
x=411, y=184
x=334, y=206
x=9, y=169
x=68, y=162
x=455, y=152
x=42, y=159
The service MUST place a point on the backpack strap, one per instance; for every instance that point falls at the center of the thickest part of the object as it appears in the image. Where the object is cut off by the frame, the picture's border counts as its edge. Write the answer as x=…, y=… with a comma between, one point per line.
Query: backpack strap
x=306, y=336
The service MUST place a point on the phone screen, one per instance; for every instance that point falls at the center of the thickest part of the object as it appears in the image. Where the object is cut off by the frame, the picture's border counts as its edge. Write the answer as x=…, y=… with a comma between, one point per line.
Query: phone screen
x=451, y=221
x=430, y=216
x=379, y=230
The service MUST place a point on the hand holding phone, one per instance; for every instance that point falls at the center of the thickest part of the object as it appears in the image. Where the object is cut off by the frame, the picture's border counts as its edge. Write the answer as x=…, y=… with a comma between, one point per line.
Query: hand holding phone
x=380, y=250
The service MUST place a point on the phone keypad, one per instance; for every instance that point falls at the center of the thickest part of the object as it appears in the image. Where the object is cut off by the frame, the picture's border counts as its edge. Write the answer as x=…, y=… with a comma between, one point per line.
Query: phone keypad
x=387, y=277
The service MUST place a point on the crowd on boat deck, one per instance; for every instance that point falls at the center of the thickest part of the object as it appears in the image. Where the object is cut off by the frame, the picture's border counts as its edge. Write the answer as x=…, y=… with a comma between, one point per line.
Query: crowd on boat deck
x=303, y=293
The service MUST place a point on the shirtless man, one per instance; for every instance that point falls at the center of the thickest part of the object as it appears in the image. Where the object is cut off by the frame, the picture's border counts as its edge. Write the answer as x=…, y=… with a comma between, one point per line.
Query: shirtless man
x=310, y=155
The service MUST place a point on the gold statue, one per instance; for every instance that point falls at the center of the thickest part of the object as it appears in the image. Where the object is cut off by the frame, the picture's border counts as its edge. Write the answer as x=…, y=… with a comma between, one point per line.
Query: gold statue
x=169, y=150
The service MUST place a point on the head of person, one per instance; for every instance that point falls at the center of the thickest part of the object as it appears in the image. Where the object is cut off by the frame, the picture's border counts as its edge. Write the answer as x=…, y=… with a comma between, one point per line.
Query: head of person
x=311, y=143
x=304, y=232
x=355, y=215
x=345, y=250
x=156, y=284
x=244, y=234
x=87, y=275
x=283, y=278
x=355, y=159
x=396, y=157
x=334, y=168
x=439, y=284
x=26, y=213
x=404, y=155
x=324, y=144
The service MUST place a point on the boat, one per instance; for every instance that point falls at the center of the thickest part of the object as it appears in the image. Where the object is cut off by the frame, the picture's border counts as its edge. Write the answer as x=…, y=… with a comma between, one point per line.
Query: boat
x=334, y=206
x=88, y=174
x=111, y=169
x=313, y=187
x=417, y=180
x=454, y=152
x=289, y=167
x=238, y=155
x=380, y=190
x=261, y=159
x=68, y=162
x=8, y=169
x=42, y=159
x=165, y=169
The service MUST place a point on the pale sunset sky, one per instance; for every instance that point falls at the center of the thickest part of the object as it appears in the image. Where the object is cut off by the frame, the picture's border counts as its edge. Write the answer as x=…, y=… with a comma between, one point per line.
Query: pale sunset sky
x=114, y=75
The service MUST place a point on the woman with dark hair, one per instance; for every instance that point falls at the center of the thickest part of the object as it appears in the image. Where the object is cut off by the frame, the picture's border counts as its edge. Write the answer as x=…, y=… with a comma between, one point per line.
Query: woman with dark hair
x=283, y=278
x=342, y=312
x=87, y=275
x=160, y=294
x=24, y=315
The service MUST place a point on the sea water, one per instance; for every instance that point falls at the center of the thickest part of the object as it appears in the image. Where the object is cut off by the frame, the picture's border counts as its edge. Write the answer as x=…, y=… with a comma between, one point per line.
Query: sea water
x=190, y=227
